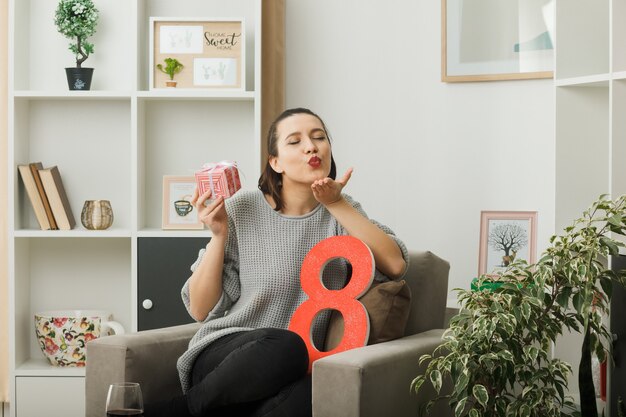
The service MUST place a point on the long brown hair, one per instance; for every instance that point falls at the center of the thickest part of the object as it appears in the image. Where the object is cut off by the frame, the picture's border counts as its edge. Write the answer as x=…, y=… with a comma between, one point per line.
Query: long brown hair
x=271, y=182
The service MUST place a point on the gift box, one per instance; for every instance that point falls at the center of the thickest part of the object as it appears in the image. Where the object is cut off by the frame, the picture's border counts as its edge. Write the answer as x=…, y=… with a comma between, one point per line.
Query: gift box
x=222, y=178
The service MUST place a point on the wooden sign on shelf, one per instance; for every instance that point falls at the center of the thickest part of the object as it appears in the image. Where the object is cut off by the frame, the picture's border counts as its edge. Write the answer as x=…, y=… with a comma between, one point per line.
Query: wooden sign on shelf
x=212, y=52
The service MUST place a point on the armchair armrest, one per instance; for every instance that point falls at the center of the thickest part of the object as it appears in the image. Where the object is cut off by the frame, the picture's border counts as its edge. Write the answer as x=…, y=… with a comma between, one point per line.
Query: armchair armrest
x=375, y=380
x=148, y=357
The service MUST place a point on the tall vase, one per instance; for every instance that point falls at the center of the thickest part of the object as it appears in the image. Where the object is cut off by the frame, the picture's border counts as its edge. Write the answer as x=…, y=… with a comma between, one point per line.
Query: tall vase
x=97, y=215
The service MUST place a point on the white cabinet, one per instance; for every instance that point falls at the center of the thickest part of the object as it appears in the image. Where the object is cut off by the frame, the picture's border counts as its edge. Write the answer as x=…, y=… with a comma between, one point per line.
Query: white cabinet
x=50, y=396
x=115, y=142
x=590, y=83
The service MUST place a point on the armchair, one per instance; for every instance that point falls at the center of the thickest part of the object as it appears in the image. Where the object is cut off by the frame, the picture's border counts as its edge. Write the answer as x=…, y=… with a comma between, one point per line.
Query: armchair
x=365, y=382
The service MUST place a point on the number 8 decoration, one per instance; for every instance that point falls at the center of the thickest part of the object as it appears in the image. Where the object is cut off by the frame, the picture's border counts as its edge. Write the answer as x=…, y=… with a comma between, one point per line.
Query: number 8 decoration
x=357, y=327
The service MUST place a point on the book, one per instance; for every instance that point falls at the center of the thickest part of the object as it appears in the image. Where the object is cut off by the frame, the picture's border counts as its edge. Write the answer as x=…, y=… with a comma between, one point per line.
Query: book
x=59, y=203
x=34, y=168
x=33, y=195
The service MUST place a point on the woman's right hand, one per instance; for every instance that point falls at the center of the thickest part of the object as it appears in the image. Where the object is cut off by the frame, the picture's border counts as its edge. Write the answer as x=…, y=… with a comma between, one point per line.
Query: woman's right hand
x=213, y=215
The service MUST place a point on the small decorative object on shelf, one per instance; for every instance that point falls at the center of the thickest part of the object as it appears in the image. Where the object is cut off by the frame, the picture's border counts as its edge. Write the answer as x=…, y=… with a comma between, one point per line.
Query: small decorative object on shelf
x=178, y=212
x=77, y=20
x=97, y=214
x=172, y=67
x=62, y=334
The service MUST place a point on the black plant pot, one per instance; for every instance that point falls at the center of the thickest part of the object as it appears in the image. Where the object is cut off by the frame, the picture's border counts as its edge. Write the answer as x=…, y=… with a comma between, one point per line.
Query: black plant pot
x=79, y=78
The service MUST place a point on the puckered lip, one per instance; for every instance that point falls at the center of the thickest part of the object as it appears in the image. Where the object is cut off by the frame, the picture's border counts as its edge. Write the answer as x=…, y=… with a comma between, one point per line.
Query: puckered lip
x=315, y=161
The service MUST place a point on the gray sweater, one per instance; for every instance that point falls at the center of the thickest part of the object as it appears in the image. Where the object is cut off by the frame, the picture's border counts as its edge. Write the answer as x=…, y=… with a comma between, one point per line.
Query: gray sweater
x=261, y=275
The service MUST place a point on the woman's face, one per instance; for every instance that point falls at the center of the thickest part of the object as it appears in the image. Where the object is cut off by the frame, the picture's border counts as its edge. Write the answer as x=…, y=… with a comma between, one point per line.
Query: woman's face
x=303, y=149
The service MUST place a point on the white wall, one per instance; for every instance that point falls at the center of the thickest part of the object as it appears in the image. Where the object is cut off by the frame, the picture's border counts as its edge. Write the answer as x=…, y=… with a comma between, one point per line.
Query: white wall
x=428, y=156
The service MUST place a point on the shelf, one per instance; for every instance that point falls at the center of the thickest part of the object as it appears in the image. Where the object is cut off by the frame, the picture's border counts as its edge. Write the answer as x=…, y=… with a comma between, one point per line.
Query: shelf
x=596, y=80
x=621, y=75
x=188, y=94
x=173, y=94
x=72, y=95
x=41, y=367
x=173, y=233
x=116, y=142
x=79, y=233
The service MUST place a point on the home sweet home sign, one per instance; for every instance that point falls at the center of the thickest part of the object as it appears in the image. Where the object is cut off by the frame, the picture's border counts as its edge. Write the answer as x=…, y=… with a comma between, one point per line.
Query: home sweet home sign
x=212, y=52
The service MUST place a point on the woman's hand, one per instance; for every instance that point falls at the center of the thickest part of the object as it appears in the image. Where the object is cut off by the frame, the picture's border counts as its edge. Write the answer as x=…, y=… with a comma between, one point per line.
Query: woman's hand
x=213, y=215
x=328, y=191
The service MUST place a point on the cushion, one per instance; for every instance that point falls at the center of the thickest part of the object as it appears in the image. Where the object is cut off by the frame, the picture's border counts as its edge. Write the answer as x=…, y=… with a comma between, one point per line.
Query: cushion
x=388, y=305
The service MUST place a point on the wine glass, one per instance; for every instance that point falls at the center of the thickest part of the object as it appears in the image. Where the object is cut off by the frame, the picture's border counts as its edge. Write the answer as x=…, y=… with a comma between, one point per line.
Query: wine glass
x=124, y=399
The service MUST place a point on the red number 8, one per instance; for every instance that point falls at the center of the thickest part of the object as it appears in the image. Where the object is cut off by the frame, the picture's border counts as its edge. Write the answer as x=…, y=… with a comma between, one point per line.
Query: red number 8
x=345, y=300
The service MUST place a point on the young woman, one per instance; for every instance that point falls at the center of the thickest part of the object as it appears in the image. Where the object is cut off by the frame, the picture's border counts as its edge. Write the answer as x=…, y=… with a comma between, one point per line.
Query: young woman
x=245, y=285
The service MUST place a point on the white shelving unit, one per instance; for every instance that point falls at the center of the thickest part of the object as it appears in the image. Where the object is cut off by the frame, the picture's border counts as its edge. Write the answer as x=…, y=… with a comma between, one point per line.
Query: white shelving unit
x=590, y=82
x=114, y=142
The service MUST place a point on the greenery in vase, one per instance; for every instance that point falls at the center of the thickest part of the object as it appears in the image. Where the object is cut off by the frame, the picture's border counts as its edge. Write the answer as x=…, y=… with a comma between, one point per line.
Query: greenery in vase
x=172, y=67
x=77, y=20
x=496, y=353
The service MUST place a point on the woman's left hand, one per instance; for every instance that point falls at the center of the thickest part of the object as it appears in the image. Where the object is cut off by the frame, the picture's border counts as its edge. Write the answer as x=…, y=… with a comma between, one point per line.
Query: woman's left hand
x=328, y=191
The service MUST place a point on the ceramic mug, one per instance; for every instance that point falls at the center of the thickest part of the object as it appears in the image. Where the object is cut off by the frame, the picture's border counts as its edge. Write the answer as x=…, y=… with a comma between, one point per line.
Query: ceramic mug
x=62, y=334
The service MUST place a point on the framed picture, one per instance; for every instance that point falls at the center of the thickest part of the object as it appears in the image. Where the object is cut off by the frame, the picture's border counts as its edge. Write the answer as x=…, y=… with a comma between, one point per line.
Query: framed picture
x=504, y=237
x=211, y=51
x=488, y=40
x=178, y=212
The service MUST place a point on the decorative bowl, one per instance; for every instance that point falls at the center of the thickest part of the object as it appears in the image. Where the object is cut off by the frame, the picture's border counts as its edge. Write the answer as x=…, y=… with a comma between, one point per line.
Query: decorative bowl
x=97, y=214
x=62, y=334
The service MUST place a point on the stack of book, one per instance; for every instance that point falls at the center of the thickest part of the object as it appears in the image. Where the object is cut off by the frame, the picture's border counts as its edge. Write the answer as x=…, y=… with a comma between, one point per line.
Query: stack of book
x=47, y=196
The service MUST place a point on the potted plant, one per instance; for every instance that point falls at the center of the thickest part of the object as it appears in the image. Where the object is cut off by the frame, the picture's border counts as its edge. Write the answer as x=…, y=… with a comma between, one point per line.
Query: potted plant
x=496, y=353
x=172, y=67
x=77, y=20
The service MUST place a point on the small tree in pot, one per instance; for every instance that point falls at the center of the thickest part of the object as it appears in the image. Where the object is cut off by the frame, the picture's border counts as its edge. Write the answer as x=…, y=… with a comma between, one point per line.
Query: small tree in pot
x=77, y=20
x=496, y=353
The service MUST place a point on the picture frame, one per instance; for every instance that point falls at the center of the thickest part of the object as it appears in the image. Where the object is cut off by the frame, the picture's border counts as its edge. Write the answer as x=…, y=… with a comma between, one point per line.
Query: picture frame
x=177, y=211
x=212, y=51
x=504, y=237
x=491, y=40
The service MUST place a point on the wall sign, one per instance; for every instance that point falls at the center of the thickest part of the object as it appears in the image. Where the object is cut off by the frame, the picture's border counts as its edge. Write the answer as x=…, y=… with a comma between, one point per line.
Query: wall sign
x=212, y=52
